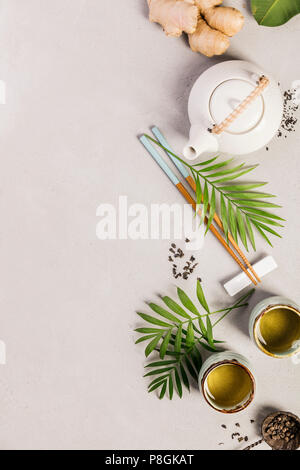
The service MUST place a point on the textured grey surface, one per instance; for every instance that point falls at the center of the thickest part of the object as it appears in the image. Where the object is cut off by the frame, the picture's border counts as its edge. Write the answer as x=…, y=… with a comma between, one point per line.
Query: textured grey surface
x=84, y=77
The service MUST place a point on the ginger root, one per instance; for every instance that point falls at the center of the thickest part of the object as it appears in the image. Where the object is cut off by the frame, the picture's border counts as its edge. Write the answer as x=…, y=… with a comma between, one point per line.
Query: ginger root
x=208, y=41
x=207, y=24
x=225, y=19
x=205, y=4
x=175, y=16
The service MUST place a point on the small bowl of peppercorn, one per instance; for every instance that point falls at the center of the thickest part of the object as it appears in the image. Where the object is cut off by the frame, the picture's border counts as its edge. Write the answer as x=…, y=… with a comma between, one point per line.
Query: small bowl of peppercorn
x=281, y=430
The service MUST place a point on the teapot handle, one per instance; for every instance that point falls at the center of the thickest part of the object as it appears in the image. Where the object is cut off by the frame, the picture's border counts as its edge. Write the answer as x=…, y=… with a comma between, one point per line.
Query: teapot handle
x=262, y=84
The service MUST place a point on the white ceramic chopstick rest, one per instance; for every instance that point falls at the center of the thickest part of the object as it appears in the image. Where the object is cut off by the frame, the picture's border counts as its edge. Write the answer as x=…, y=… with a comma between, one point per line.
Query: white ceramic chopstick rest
x=239, y=282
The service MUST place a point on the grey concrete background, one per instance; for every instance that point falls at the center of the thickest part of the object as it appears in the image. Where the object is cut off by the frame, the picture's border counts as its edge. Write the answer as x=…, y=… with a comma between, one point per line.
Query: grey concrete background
x=84, y=77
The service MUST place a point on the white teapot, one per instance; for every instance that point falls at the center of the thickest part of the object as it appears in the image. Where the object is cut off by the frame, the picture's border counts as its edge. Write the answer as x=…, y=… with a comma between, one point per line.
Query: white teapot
x=216, y=94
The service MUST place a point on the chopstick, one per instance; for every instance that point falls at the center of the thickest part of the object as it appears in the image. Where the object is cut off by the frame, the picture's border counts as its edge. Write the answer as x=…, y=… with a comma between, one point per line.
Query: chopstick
x=190, y=180
x=160, y=161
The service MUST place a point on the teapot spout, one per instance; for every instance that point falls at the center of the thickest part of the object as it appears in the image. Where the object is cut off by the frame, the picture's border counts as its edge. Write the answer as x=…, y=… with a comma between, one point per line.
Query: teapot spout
x=200, y=141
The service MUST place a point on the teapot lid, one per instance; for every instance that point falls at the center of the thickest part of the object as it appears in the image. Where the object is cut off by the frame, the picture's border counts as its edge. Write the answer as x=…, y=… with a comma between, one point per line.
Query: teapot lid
x=227, y=96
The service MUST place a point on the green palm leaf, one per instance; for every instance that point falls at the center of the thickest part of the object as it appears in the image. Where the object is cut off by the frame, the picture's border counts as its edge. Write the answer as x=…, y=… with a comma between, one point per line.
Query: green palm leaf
x=268, y=229
x=184, y=376
x=171, y=387
x=209, y=332
x=264, y=219
x=186, y=301
x=190, y=336
x=247, y=203
x=196, y=359
x=161, y=363
x=212, y=209
x=191, y=369
x=215, y=167
x=262, y=233
x=250, y=233
x=165, y=344
x=175, y=365
x=164, y=313
x=250, y=195
x=152, y=345
x=178, y=340
x=149, y=330
x=175, y=307
x=240, y=202
x=232, y=221
x=144, y=338
x=227, y=172
x=153, y=320
x=163, y=390
x=198, y=194
x=158, y=371
x=224, y=217
x=201, y=296
x=263, y=213
x=205, y=202
x=158, y=380
x=241, y=228
x=178, y=383
x=156, y=386
x=241, y=187
x=207, y=162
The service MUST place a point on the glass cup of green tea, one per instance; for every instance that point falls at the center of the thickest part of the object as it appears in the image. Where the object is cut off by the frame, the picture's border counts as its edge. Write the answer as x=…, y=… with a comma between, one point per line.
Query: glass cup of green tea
x=226, y=382
x=274, y=326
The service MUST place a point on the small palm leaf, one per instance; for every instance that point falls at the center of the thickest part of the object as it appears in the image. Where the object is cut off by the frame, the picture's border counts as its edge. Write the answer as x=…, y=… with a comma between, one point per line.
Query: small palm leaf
x=165, y=344
x=224, y=217
x=158, y=380
x=153, y=320
x=178, y=383
x=263, y=213
x=144, y=338
x=175, y=307
x=186, y=301
x=207, y=162
x=250, y=233
x=201, y=296
x=197, y=359
x=152, y=345
x=171, y=387
x=157, y=385
x=190, y=336
x=178, y=340
x=198, y=194
x=217, y=166
x=205, y=201
x=163, y=390
x=176, y=365
x=184, y=376
x=158, y=371
x=209, y=332
x=149, y=330
x=164, y=313
x=160, y=363
x=212, y=209
x=241, y=228
x=191, y=369
x=232, y=221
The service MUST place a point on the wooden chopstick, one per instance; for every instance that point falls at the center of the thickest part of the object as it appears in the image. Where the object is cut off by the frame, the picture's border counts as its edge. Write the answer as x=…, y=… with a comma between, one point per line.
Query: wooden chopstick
x=159, y=160
x=192, y=184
